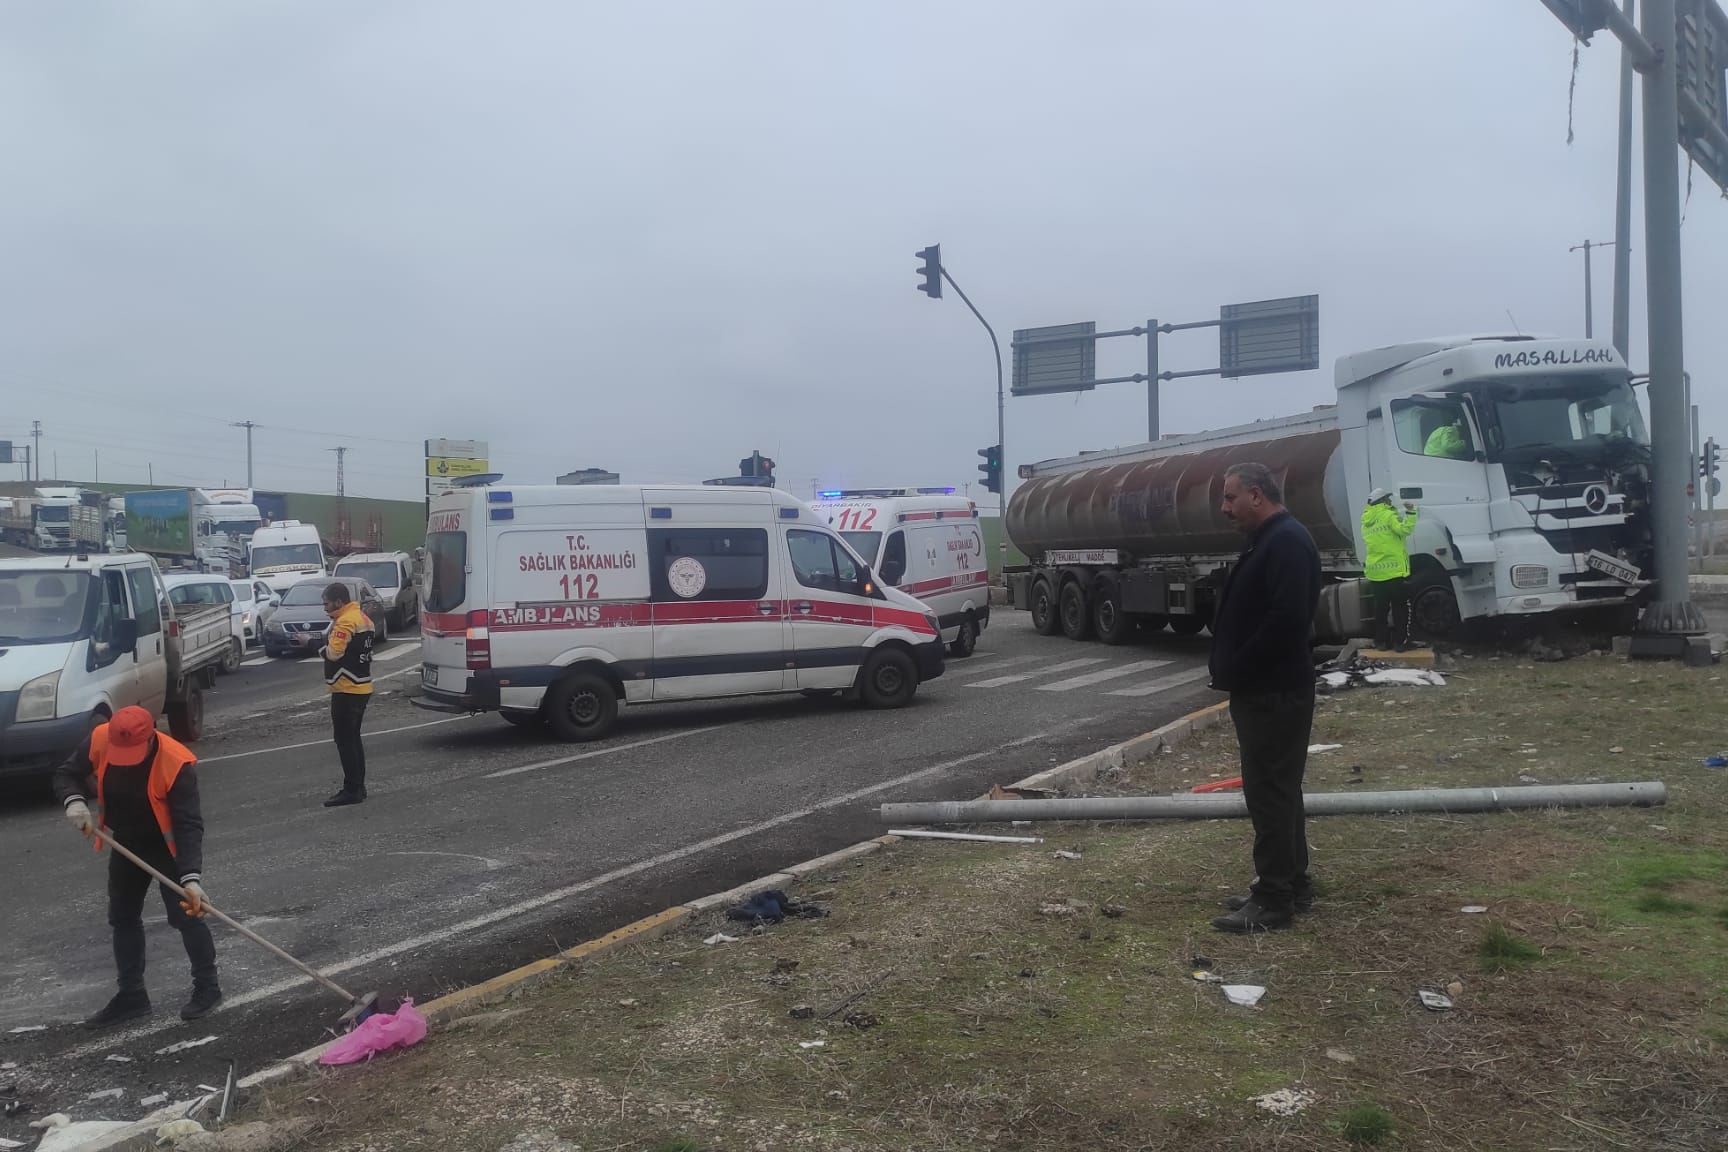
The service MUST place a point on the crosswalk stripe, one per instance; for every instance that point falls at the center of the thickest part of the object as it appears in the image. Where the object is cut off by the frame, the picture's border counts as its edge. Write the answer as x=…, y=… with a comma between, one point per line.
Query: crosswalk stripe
x=977, y=664
x=397, y=653
x=1102, y=675
x=256, y=662
x=1163, y=683
x=1068, y=666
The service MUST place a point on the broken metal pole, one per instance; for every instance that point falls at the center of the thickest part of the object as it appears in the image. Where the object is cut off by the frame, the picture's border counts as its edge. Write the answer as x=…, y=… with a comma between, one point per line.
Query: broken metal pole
x=1214, y=806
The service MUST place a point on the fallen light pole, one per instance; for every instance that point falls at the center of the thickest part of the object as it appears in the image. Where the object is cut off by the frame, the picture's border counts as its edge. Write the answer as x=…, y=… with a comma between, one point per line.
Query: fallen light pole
x=1647, y=794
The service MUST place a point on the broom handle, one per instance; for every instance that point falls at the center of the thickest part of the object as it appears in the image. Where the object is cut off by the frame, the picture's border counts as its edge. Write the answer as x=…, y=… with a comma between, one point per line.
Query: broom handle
x=229, y=920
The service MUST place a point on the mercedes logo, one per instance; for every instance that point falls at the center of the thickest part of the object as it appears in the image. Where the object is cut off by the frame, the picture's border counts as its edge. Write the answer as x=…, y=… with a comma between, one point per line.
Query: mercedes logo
x=1596, y=498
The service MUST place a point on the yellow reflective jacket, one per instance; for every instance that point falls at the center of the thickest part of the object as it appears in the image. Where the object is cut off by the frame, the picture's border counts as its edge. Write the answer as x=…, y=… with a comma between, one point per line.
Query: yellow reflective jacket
x=1448, y=441
x=1383, y=534
x=348, y=652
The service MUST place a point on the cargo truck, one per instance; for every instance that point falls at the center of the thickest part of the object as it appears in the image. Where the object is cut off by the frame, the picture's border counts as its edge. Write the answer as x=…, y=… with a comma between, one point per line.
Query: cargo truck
x=183, y=528
x=1527, y=458
x=41, y=521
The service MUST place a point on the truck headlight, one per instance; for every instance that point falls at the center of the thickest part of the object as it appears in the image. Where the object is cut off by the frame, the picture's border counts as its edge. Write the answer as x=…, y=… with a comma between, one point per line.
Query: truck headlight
x=1529, y=576
x=38, y=697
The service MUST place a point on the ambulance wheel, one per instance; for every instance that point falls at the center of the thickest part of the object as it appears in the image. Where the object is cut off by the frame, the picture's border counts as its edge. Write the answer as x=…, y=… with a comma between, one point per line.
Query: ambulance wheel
x=967, y=642
x=581, y=706
x=523, y=719
x=889, y=679
x=186, y=717
x=1187, y=625
x=1076, y=618
x=1044, y=619
x=231, y=659
x=1108, y=619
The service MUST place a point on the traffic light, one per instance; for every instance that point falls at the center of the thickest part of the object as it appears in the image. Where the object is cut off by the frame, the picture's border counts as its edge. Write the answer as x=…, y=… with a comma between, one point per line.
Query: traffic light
x=992, y=467
x=756, y=466
x=931, y=271
x=1708, y=462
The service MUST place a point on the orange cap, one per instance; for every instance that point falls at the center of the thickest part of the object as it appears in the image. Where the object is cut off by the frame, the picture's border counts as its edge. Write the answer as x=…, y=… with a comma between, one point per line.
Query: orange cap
x=129, y=736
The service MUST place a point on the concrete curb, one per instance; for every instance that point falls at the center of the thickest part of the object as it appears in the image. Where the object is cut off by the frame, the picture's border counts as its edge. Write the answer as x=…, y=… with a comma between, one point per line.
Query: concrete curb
x=466, y=1001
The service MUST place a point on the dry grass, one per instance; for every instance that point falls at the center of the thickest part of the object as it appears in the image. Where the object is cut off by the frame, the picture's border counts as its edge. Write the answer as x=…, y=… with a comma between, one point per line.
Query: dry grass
x=1601, y=1023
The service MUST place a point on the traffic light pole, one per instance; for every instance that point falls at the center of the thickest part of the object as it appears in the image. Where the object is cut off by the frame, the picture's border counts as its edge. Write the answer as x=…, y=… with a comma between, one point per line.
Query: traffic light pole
x=1001, y=420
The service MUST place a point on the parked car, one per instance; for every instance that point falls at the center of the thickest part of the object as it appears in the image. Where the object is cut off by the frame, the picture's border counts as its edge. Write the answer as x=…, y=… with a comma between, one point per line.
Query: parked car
x=392, y=574
x=299, y=623
x=254, y=603
x=203, y=590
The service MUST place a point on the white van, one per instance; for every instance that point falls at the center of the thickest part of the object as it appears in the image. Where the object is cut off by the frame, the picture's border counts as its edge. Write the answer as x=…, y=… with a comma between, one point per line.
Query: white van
x=551, y=604
x=927, y=542
x=285, y=553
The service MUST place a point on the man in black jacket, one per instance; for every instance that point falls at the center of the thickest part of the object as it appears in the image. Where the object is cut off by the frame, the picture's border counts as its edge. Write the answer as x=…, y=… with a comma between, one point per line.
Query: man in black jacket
x=1260, y=655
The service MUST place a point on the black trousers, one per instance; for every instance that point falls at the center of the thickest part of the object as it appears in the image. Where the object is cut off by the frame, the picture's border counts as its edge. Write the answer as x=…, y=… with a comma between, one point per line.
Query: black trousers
x=1391, y=611
x=127, y=886
x=347, y=711
x=1272, y=731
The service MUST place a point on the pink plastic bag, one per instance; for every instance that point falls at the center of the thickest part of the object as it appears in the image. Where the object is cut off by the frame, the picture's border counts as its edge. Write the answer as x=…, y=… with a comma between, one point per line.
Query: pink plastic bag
x=379, y=1032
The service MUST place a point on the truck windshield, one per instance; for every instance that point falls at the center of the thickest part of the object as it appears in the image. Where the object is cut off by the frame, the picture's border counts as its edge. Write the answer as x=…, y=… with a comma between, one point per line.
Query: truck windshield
x=864, y=543
x=287, y=556
x=53, y=513
x=235, y=527
x=42, y=607
x=1567, y=412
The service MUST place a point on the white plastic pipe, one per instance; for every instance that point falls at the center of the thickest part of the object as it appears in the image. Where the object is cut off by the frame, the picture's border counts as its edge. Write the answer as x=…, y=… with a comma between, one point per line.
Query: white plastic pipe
x=922, y=834
x=1218, y=806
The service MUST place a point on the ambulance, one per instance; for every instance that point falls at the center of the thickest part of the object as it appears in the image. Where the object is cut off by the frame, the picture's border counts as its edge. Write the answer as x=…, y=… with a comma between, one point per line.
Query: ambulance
x=553, y=605
x=927, y=543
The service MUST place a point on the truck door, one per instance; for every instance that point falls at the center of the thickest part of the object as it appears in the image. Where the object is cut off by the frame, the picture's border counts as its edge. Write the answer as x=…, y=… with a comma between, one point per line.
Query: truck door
x=1438, y=463
x=150, y=660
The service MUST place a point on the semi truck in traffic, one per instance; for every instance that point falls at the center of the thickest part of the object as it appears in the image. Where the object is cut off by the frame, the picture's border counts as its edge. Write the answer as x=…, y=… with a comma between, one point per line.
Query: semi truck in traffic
x=1527, y=456
x=41, y=521
x=185, y=527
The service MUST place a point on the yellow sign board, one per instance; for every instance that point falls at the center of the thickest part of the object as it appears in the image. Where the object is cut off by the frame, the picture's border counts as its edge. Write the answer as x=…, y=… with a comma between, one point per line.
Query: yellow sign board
x=454, y=466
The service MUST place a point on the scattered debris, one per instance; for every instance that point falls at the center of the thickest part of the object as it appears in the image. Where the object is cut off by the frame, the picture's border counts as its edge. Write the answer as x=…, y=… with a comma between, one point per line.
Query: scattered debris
x=1200, y=961
x=1246, y=995
x=9, y=1144
x=1616, y=750
x=71, y=1136
x=1526, y=778
x=802, y=1012
x=14, y=1107
x=1474, y=909
x=627, y=1003
x=781, y=964
x=771, y=906
x=1314, y=748
x=152, y=1101
x=1339, y=1056
x=1056, y=909
x=184, y=1045
x=997, y=792
x=1285, y=1101
x=720, y=938
x=119, y=1059
x=812, y=1043
x=8, y=1066
x=1230, y=784
x=1411, y=677
x=1455, y=989
x=176, y=1130
x=861, y=1020
x=1112, y=911
x=538, y=1141
x=381, y=1032
x=49, y=1122
x=106, y=1094
x=208, y=1088
x=1064, y=854
x=1435, y=1001
x=1206, y=977
x=1717, y=761
x=920, y=834
x=27, y=1028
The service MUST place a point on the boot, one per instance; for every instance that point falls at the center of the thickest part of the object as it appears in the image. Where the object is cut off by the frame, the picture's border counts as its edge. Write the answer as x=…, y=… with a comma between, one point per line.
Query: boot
x=1304, y=902
x=1253, y=917
x=124, y=1006
x=205, y=997
x=344, y=798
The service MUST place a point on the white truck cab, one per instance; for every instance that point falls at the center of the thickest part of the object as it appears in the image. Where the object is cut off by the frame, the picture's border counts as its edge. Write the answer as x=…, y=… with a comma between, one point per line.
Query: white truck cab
x=81, y=638
x=927, y=542
x=554, y=604
x=285, y=553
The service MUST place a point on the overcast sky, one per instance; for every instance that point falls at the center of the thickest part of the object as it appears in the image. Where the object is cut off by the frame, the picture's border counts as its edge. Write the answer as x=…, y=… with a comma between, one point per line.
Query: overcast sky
x=651, y=237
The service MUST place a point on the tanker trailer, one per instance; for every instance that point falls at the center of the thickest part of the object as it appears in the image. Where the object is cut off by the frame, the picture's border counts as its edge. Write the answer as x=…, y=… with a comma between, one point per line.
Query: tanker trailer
x=1540, y=504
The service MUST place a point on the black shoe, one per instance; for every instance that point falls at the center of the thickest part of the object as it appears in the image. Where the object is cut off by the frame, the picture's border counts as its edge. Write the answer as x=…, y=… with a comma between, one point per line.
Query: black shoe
x=1303, y=902
x=1251, y=917
x=344, y=798
x=124, y=1006
x=205, y=997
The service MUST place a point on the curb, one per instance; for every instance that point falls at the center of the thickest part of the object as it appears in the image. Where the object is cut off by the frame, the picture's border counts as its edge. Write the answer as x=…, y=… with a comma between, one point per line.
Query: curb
x=465, y=1001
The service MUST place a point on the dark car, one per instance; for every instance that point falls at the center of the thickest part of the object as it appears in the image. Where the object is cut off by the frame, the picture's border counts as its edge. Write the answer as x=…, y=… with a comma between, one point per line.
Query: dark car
x=300, y=624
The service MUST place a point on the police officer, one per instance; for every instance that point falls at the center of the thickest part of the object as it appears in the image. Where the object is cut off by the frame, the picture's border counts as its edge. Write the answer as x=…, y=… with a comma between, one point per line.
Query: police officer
x=1387, y=567
x=146, y=795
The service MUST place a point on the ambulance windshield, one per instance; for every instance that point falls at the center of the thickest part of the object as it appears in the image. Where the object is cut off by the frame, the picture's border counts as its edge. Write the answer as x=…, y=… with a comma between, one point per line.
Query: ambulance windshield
x=865, y=544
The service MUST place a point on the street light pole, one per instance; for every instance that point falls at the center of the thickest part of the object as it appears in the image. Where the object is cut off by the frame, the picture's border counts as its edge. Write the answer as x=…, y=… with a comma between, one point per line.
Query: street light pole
x=1623, y=206
x=248, y=425
x=1589, y=306
x=1001, y=417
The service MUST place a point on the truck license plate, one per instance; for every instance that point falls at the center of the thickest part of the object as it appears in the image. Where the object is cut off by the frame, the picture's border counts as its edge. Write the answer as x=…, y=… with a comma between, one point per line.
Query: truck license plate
x=429, y=675
x=1612, y=566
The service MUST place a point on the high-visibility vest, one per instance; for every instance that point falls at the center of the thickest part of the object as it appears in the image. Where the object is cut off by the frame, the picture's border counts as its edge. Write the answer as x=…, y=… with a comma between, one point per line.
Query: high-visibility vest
x=171, y=757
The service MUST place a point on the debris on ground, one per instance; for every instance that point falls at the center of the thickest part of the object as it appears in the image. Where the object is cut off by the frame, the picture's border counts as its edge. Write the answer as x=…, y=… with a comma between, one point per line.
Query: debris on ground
x=1206, y=977
x=152, y=1101
x=106, y=1094
x=27, y=1028
x=1316, y=748
x=71, y=1136
x=861, y=1020
x=997, y=792
x=184, y=1045
x=812, y=1043
x=1455, y=989
x=258, y=1136
x=1717, y=761
x=119, y=1059
x=380, y=1032
x=1064, y=854
x=1339, y=1056
x=51, y=1121
x=177, y=1130
x=1413, y=677
x=539, y=1141
x=6, y=1144
x=802, y=1012
x=771, y=906
x=978, y=837
x=1474, y=909
x=720, y=938
x=1285, y=1101
x=1112, y=911
x=1229, y=784
x=1434, y=1001
x=1063, y=909
x=1246, y=995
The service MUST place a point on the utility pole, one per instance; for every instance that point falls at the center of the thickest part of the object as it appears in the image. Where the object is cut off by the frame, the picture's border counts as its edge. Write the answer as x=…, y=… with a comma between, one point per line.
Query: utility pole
x=1623, y=206
x=36, y=453
x=248, y=425
x=1589, y=306
x=344, y=530
x=97, y=453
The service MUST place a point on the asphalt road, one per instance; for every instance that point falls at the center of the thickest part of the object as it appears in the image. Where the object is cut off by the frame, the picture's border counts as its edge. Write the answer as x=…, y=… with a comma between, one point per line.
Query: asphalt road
x=484, y=846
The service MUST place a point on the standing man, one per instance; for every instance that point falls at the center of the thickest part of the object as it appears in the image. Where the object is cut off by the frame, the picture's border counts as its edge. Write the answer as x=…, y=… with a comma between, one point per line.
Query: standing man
x=146, y=796
x=348, y=672
x=1387, y=567
x=1261, y=633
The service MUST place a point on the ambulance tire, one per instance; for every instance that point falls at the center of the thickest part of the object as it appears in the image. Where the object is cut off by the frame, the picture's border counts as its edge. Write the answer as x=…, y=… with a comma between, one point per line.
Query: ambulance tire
x=1112, y=625
x=967, y=641
x=1045, y=620
x=889, y=678
x=581, y=706
x=1076, y=614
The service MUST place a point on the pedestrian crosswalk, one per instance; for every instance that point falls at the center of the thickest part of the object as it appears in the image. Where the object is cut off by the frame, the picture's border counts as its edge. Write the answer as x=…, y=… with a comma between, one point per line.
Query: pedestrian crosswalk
x=1109, y=677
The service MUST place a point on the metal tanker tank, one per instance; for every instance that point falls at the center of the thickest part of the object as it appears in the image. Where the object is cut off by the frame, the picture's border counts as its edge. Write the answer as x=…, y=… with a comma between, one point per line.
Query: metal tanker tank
x=1162, y=499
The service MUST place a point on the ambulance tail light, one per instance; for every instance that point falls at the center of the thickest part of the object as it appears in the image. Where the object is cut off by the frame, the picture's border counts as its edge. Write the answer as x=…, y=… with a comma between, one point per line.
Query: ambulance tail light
x=478, y=641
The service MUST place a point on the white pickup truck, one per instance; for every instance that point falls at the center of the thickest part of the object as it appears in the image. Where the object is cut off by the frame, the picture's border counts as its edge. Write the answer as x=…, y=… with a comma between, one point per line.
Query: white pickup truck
x=81, y=638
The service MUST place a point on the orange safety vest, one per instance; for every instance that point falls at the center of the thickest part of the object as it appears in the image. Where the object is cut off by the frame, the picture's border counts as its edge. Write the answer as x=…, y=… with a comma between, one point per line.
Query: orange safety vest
x=171, y=757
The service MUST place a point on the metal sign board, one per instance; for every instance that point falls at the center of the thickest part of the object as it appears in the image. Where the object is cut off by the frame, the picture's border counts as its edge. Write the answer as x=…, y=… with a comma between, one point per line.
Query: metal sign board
x=438, y=485
x=1057, y=358
x=1269, y=336
x=1702, y=66
x=1583, y=18
x=458, y=449
x=454, y=466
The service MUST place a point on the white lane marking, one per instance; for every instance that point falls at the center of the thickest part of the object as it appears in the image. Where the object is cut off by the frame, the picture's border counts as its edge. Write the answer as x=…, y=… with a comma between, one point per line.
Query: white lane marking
x=257, y=662
x=534, y=903
x=539, y=764
x=1102, y=675
x=315, y=743
x=397, y=653
x=996, y=664
x=1066, y=666
x=491, y=864
x=1163, y=683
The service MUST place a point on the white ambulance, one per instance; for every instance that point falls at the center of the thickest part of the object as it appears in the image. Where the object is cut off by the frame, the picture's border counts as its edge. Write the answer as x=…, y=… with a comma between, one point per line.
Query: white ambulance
x=553, y=604
x=927, y=542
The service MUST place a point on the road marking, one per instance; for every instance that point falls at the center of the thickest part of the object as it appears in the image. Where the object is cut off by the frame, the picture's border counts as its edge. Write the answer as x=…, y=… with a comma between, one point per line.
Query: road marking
x=257, y=662
x=1066, y=666
x=315, y=743
x=536, y=766
x=1163, y=683
x=996, y=665
x=491, y=864
x=1099, y=677
x=398, y=653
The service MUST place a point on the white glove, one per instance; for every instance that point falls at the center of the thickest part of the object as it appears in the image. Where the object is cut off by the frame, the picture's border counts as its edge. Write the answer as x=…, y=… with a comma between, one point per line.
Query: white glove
x=78, y=813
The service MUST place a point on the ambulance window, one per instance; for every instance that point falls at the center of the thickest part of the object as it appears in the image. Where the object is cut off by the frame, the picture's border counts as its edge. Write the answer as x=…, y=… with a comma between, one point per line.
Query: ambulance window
x=863, y=543
x=818, y=561
x=448, y=583
x=731, y=563
x=893, y=567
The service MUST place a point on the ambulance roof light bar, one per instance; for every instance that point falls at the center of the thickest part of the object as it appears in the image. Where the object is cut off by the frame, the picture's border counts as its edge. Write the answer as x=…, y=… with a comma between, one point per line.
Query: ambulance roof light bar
x=853, y=493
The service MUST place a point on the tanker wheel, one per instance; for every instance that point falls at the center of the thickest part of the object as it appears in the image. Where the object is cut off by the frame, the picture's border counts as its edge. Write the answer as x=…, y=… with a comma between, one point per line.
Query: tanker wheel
x=1108, y=620
x=1044, y=618
x=1075, y=612
x=1433, y=605
x=1188, y=624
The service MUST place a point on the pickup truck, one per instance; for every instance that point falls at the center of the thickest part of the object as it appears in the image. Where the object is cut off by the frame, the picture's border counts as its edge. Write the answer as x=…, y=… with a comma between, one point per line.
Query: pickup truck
x=81, y=638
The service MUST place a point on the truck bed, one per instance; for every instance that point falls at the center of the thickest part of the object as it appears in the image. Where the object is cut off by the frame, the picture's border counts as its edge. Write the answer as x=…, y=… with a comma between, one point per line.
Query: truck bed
x=197, y=639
